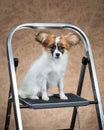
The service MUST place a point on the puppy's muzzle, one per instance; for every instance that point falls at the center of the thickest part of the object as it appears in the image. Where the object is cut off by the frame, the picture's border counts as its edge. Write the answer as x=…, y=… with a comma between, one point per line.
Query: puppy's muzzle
x=57, y=54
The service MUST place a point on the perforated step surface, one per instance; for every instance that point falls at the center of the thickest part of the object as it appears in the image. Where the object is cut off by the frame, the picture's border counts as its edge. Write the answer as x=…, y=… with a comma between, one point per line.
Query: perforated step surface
x=55, y=102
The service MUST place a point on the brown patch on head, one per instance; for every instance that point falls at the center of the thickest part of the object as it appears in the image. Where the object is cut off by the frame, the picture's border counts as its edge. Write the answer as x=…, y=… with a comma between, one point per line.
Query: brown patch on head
x=72, y=38
x=45, y=38
x=63, y=42
x=48, y=41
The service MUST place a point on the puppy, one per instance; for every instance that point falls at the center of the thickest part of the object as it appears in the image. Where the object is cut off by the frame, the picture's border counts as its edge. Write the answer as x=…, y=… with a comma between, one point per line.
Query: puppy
x=49, y=69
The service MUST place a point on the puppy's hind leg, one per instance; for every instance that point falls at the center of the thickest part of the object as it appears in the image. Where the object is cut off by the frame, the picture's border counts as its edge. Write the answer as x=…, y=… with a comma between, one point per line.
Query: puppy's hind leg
x=33, y=97
x=35, y=93
x=22, y=94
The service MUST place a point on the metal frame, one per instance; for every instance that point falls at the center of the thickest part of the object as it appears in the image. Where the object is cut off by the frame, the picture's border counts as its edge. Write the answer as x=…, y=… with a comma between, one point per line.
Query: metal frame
x=13, y=81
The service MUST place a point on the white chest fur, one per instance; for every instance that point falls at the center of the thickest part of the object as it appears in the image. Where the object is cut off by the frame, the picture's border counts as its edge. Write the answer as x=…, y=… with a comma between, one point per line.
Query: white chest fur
x=57, y=69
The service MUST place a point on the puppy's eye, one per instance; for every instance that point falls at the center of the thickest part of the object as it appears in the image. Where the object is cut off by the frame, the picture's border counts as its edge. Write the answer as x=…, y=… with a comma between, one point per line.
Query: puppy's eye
x=52, y=47
x=61, y=48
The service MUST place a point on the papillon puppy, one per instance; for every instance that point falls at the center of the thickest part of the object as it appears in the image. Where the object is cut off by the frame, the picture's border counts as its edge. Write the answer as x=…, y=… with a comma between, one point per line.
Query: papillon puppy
x=50, y=68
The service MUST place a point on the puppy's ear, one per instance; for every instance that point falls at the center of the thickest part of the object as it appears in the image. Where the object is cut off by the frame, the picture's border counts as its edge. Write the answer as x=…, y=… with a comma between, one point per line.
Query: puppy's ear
x=72, y=38
x=41, y=37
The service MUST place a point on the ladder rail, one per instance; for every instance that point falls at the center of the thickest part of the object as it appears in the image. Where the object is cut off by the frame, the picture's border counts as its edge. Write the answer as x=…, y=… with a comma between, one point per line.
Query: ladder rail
x=88, y=53
x=79, y=89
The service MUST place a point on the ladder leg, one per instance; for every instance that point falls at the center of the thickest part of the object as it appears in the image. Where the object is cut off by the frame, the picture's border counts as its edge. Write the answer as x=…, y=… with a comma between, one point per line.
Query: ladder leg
x=80, y=84
x=16, y=105
x=13, y=99
x=73, y=118
x=8, y=113
x=97, y=97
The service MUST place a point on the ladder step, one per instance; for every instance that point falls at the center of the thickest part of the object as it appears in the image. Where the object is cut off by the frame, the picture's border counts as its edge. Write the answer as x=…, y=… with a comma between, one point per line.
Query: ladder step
x=55, y=102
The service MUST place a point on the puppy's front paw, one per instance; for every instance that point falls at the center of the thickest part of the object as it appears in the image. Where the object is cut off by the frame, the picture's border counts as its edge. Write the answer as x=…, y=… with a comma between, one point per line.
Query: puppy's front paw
x=45, y=98
x=63, y=97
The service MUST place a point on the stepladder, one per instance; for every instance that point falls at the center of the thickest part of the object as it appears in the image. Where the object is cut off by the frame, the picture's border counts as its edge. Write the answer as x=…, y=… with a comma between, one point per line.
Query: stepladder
x=74, y=100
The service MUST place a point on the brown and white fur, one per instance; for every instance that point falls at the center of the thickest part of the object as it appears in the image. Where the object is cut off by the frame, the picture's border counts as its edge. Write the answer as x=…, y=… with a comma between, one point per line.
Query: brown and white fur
x=49, y=69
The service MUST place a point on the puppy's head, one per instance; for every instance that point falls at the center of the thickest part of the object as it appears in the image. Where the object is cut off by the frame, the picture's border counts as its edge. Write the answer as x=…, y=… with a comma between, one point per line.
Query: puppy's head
x=57, y=46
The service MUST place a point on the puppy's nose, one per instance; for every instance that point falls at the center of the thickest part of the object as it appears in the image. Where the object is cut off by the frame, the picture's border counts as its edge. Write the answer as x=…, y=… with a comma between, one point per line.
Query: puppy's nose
x=57, y=54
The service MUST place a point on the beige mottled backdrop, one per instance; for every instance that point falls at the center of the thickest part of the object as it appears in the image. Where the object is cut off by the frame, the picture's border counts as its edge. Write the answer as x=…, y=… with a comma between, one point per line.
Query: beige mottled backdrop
x=89, y=16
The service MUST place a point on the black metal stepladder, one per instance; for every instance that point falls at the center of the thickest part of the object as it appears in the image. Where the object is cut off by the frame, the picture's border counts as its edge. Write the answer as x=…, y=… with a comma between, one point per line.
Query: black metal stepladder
x=74, y=100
